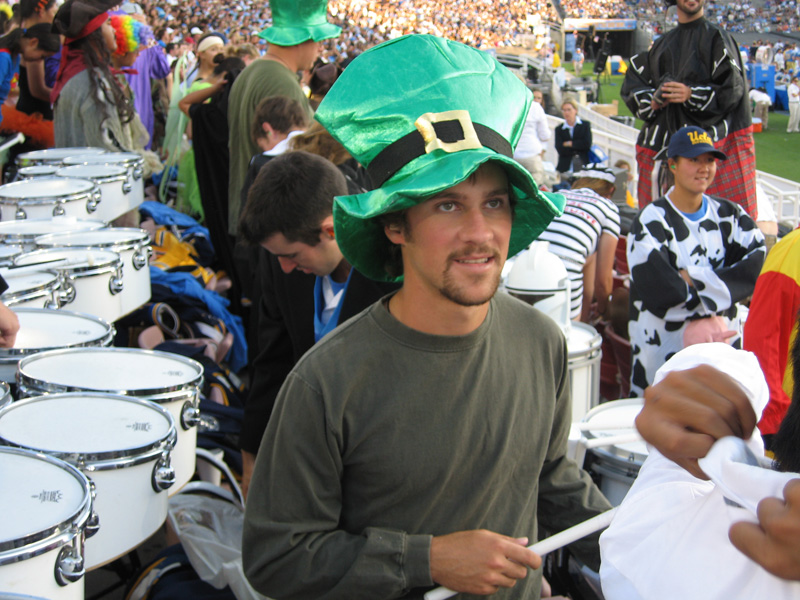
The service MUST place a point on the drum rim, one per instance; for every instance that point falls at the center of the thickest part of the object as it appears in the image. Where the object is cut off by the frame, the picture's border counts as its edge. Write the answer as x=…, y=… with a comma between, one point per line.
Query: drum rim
x=13, y=355
x=122, y=175
x=595, y=342
x=160, y=395
x=49, y=155
x=90, y=462
x=71, y=269
x=59, y=534
x=28, y=201
x=9, y=296
x=12, y=236
x=124, y=243
x=129, y=159
x=606, y=453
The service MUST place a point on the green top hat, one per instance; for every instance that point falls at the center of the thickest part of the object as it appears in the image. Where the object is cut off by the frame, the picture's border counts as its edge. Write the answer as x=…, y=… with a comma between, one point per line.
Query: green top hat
x=422, y=113
x=297, y=21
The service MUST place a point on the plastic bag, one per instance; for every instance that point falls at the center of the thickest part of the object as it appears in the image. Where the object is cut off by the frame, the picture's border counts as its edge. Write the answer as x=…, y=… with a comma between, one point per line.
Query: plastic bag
x=210, y=530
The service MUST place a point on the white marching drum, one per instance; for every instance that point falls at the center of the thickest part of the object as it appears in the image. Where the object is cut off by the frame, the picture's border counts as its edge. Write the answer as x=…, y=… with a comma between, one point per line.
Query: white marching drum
x=8, y=252
x=584, y=349
x=5, y=394
x=48, y=197
x=133, y=246
x=131, y=161
x=111, y=180
x=170, y=380
x=615, y=464
x=47, y=513
x=122, y=445
x=31, y=290
x=53, y=156
x=41, y=329
x=36, y=171
x=90, y=280
x=25, y=232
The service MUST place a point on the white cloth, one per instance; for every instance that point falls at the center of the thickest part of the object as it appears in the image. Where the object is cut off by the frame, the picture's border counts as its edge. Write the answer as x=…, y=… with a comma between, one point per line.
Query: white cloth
x=759, y=96
x=669, y=538
x=534, y=133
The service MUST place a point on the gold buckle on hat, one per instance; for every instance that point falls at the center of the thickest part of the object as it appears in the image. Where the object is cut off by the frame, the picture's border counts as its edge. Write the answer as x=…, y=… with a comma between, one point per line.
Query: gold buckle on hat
x=424, y=125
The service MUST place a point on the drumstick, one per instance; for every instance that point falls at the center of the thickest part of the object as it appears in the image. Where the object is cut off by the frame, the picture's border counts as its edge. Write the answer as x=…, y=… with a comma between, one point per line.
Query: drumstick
x=605, y=426
x=548, y=545
x=39, y=266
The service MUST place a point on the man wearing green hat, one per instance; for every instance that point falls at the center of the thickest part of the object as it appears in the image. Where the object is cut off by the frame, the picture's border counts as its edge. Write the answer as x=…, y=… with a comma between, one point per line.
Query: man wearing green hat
x=298, y=26
x=421, y=442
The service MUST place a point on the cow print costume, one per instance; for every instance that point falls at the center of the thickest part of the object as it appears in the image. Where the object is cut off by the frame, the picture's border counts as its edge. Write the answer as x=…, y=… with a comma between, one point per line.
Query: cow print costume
x=722, y=251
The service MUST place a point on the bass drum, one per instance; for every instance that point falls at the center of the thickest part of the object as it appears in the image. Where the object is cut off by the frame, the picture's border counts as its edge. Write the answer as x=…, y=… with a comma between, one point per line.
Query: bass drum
x=48, y=197
x=123, y=446
x=41, y=330
x=170, y=380
x=133, y=246
x=47, y=514
x=90, y=281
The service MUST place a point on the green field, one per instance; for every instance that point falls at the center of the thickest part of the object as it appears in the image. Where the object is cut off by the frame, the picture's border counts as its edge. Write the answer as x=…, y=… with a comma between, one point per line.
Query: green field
x=776, y=150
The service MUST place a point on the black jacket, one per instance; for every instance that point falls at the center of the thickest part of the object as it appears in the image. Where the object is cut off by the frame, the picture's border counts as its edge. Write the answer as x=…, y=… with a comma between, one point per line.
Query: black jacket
x=581, y=143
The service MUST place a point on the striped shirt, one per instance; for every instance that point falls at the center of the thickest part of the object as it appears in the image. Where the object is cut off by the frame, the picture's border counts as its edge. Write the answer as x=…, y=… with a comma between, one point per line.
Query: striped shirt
x=574, y=235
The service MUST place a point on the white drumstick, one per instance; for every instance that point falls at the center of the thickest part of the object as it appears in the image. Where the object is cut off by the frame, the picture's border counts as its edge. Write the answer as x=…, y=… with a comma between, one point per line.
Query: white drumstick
x=548, y=545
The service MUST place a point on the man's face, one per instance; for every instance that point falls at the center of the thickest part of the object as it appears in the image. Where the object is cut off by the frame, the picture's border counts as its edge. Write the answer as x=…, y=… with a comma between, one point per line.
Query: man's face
x=454, y=244
x=691, y=8
x=309, y=53
x=320, y=260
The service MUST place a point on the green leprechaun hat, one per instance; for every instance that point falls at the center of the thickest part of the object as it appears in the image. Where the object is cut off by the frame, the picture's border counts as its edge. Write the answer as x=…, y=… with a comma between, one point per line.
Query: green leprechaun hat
x=422, y=113
x=298, y=21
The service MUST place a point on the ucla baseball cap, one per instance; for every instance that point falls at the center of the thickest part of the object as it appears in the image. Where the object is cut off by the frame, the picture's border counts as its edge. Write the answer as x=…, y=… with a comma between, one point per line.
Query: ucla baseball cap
x=692, y=141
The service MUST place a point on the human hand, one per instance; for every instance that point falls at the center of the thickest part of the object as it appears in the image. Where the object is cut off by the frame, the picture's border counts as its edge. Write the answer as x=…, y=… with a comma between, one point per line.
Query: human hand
x=9, y=326
x=774, y=543
x=248, y=462
x=675, y=92
x=568, y=144
x=687, y=411
x=480, y=561
x=709, y=329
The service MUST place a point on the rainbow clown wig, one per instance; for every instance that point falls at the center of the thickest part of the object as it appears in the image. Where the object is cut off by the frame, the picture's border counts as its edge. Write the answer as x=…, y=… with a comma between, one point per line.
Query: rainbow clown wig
x=131, y=35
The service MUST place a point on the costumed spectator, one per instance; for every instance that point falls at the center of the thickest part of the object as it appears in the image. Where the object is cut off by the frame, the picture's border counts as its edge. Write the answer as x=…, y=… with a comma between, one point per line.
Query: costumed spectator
x=208, y=109
x=206, y=49
x=535, y=134
x=673, y=85
x=34, y=87
x=761, y=103
x=105, y=116
x=770, y=330
x=307, y=286
x=793, y=91
x=357, y=466
x=150, y=65
x=585, y=238
x=298, y=26
x=658, y=521
x=692, y=257
x=32, y=44
x=573, y=139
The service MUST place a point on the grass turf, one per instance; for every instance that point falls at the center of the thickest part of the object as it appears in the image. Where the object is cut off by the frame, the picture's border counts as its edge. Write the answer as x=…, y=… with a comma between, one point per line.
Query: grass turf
x=776, y=150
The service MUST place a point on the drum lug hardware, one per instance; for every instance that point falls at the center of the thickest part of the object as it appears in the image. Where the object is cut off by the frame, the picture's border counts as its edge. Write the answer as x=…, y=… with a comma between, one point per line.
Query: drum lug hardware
x=20, y=214
x=138, y=172
x=66, y=292
x=59, y=211
x=93, y=202
x=141, y=257
x=190, y=416
x=115, y=283
x=127, y=188
x=69, y=566
x=93, y=522
x=163, y=474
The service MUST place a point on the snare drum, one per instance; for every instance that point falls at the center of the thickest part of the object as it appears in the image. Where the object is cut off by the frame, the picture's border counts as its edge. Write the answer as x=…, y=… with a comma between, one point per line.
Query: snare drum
x=616, y=465
x=90, y=281
x=24, y=233
x=171, y=380
x=123, y=445
x=31, y=290
x=47, y=513
x=131, y=161
x=48, y=197
x=583, y=346
x=36, y=171
x=133, y=246
x=53, y=156
x=111, y=180
x=41, y=330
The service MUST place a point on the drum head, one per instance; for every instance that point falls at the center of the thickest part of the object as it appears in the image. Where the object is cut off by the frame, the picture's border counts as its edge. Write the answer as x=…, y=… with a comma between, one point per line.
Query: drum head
x=112, y=236
x=93, y=172
x=119, y=426
x=617, y=412
x=37, y=171
x=41, y=329
x=19, y=284
x=45, y=188
x=55, y=155
x=71, y=258
x=582, y=339
x=28, y=229
x=38, y=494
x=127, y=371
x=108, y=158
